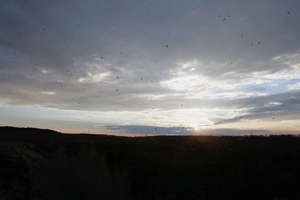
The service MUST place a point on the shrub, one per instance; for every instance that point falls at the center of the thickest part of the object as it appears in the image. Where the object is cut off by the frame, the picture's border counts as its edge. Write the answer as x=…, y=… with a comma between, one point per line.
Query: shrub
x=83, y=177
x=13, y=193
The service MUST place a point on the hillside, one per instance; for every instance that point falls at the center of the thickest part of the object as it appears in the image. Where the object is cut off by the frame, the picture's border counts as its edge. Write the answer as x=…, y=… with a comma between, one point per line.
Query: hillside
x=158, y=167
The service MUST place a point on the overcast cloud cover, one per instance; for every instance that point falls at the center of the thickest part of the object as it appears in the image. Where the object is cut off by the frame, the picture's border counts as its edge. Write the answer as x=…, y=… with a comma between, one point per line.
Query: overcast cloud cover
x=128, y=67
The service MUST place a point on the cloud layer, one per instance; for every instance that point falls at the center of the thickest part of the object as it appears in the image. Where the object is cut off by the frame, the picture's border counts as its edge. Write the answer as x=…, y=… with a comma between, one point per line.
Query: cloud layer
x=193, y=64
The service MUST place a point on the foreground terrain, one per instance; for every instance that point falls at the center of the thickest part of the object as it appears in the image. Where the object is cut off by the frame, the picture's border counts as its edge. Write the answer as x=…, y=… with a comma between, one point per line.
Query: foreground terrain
x=44, y=164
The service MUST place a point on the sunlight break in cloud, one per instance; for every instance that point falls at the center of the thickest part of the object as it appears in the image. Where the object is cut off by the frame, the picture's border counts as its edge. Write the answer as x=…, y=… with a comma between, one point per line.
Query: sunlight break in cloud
x=295, y=86
x=94, y=78
x=49, y=93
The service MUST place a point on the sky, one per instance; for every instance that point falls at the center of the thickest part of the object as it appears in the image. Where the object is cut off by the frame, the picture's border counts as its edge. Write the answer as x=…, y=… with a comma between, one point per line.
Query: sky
x=159, y=67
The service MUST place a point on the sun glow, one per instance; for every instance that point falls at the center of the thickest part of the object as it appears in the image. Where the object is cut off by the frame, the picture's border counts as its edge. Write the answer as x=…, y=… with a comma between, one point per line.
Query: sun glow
x=196, y=128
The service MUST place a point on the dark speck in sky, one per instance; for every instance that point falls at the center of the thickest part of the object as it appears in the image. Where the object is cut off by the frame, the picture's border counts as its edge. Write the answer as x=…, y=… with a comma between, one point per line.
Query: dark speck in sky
x=101, y=57
x=167, y=46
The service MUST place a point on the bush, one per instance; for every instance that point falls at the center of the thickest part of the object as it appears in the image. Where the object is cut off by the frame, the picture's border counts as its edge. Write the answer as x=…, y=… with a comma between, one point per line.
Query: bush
x=8, y=194
x=83, y=177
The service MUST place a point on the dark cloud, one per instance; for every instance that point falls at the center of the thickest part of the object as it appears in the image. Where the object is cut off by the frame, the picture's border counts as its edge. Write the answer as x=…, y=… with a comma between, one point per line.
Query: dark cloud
x=152, y=130
x=281, y=106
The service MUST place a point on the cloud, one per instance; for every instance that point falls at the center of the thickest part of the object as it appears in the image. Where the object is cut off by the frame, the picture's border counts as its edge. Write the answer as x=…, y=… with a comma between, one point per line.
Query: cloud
x=295, y=86
x=49, y=93
x=113, y=57
x=152, y=130
x=149, y=130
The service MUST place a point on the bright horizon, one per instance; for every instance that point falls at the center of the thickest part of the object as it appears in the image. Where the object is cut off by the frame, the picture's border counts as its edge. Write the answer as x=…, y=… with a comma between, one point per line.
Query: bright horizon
x=151, y=67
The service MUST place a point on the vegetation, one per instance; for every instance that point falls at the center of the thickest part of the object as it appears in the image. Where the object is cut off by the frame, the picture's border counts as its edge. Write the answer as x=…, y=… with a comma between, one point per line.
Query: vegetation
x=41, y=166
x=85, y=176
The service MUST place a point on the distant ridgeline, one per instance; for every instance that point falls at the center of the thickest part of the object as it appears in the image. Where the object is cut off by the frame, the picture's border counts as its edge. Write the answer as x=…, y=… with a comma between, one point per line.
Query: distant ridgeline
x=25, y=134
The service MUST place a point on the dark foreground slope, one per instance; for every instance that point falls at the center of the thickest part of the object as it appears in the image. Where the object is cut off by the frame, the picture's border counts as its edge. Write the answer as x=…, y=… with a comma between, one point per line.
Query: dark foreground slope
x=161, y=167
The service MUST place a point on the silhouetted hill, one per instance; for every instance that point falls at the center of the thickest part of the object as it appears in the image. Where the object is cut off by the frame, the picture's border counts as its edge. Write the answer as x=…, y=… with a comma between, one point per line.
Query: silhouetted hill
x=172, y=167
